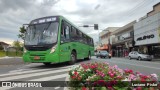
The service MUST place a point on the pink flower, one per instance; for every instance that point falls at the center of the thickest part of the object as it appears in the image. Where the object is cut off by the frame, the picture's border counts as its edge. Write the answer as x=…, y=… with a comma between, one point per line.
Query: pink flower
x=106, y=63
x=154, y=75
x=111, y=75
x=132, y=77
x=115, y=66
x=119, y=77
x=137, y=72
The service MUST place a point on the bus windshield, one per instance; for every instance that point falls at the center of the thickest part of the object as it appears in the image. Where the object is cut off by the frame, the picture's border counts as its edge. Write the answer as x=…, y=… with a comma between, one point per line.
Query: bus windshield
x=41, y=34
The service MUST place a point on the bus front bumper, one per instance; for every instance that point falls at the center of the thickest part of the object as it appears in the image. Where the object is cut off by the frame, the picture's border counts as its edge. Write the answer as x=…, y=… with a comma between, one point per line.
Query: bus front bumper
x=41, y=57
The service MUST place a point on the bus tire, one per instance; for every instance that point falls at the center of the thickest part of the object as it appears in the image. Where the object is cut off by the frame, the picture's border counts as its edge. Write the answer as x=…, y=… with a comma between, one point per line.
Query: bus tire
x=89, y=56
x=47, y=64
x=73, y=58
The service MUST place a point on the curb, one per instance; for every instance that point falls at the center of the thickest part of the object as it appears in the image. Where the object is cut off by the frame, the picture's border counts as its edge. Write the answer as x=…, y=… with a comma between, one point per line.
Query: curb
x=6, y=57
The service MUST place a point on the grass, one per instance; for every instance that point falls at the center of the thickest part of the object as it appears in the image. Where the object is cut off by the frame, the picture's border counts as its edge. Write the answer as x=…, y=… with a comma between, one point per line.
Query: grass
x=11, y=54
x=2, y=54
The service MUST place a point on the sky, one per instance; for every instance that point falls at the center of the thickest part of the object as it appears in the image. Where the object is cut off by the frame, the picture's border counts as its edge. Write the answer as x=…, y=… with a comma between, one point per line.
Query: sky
x=105, y=13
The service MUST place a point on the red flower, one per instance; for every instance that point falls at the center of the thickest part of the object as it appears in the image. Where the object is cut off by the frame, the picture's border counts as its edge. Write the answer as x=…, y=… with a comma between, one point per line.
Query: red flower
x=110, y=88
x=145, y=77
x=73, y=77
x=130, y=71
x=139, y=88
x=101, y=82
x=84, y=88
x=75, y=73
x=143, y=80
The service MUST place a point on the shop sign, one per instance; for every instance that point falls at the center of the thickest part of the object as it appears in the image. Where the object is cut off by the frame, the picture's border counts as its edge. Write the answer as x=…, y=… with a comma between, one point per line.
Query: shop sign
x=145, y=37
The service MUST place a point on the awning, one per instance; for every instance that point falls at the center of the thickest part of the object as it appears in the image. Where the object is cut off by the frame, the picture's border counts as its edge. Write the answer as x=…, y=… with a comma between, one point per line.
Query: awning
x=104, y=47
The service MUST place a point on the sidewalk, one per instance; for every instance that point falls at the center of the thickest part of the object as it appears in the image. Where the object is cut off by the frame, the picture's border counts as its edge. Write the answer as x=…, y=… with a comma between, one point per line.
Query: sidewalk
x=6, y=57
x=153, y=60
x=10, y=61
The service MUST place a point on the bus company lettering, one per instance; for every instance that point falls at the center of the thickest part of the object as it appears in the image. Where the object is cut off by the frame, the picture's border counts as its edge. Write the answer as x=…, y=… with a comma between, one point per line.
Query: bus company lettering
x=145, y=37
x=14, y=84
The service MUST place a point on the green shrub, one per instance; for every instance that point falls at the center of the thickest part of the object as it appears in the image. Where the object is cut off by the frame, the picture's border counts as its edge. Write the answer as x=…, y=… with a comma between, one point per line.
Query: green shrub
x=2, y=53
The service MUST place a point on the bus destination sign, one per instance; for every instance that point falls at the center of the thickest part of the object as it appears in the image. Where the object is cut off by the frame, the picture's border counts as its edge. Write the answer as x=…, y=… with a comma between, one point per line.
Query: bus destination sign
x=44, y=20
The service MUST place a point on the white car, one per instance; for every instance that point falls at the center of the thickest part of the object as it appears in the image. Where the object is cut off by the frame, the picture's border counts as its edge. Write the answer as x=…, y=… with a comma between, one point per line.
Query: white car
x=139, y=56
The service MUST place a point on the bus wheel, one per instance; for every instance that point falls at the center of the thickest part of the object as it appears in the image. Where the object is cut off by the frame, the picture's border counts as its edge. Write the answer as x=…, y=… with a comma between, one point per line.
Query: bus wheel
x=73, y=58
x=47, y=64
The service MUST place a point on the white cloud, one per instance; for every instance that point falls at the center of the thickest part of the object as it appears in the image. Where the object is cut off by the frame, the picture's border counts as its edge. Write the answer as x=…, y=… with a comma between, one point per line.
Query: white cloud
x=106, y=13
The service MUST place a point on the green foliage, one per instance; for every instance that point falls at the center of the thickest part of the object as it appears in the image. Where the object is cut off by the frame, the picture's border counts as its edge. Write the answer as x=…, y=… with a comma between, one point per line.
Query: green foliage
x=12, y=54
x=1, y=47
x=18, y=45
x=22, y=32
x=2, y=53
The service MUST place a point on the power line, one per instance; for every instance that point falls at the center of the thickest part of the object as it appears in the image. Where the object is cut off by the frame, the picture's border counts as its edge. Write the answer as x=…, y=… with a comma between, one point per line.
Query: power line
x=140, y=7
x=136, y=7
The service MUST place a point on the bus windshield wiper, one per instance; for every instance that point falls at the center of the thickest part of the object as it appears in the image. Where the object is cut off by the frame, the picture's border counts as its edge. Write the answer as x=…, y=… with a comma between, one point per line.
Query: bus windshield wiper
x=46, y=28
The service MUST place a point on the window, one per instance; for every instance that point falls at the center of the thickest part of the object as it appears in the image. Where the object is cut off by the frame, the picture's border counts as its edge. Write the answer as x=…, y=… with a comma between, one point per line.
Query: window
x=118, y=37
x=85, y=39
x=80, y=37
x=131, y=34
x=65, y=32
x=73, y=34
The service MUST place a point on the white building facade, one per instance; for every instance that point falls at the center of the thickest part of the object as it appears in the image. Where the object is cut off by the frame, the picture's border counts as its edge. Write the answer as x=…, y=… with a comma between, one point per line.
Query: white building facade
x=147, y=33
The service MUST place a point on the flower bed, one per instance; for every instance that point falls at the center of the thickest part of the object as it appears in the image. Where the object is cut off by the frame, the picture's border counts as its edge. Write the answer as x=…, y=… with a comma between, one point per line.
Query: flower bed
x=102, y=76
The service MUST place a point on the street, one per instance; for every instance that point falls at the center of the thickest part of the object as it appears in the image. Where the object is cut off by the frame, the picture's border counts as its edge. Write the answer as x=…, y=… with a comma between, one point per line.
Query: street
x=58, y=72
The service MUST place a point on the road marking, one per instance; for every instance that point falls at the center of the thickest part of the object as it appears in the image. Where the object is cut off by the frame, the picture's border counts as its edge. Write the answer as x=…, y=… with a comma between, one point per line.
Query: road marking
x=136, y=65
x=31, y=74
x=15, y=73
x=57, y=87
x=50, y=78
x=32, y=71
x=66, y=79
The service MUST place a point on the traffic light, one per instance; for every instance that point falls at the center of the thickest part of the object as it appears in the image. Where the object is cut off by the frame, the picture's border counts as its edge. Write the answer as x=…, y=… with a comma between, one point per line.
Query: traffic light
x=85, y=25
x=95, y=26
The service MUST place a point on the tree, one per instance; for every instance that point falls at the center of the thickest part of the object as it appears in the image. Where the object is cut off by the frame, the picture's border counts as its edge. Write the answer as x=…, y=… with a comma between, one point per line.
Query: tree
x=17, y=44
x=1, y=47
x=22, y=32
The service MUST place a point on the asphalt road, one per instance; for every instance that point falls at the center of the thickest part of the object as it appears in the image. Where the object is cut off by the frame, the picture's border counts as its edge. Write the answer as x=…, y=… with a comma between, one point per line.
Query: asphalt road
x=15, y=70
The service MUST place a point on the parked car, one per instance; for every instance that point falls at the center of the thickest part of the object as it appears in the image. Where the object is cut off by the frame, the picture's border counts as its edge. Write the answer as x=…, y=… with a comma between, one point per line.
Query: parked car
x=103, y=54
x=139, y=56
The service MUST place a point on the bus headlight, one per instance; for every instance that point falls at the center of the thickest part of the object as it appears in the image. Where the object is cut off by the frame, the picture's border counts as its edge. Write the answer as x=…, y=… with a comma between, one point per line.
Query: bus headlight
x=53, y=49
x=24, y=50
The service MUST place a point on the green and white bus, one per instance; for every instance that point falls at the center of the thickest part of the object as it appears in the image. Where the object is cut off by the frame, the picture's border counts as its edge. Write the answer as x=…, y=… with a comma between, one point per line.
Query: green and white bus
x=54, y=39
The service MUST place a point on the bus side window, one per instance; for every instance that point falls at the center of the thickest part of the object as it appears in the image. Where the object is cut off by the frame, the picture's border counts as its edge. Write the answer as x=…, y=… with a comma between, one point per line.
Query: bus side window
x=73, y=34
x=65, y=36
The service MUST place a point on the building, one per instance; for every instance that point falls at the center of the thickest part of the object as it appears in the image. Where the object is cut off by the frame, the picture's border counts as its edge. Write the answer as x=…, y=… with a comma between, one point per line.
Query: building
x=105, y=34
x=4, y=45
x=156, y=9
x=147, y=33
x=105, y=38
x=122, y=40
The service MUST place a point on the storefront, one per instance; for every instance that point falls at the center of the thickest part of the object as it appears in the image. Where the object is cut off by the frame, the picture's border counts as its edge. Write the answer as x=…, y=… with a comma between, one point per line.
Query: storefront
x=147, y=35
x=122, y=49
